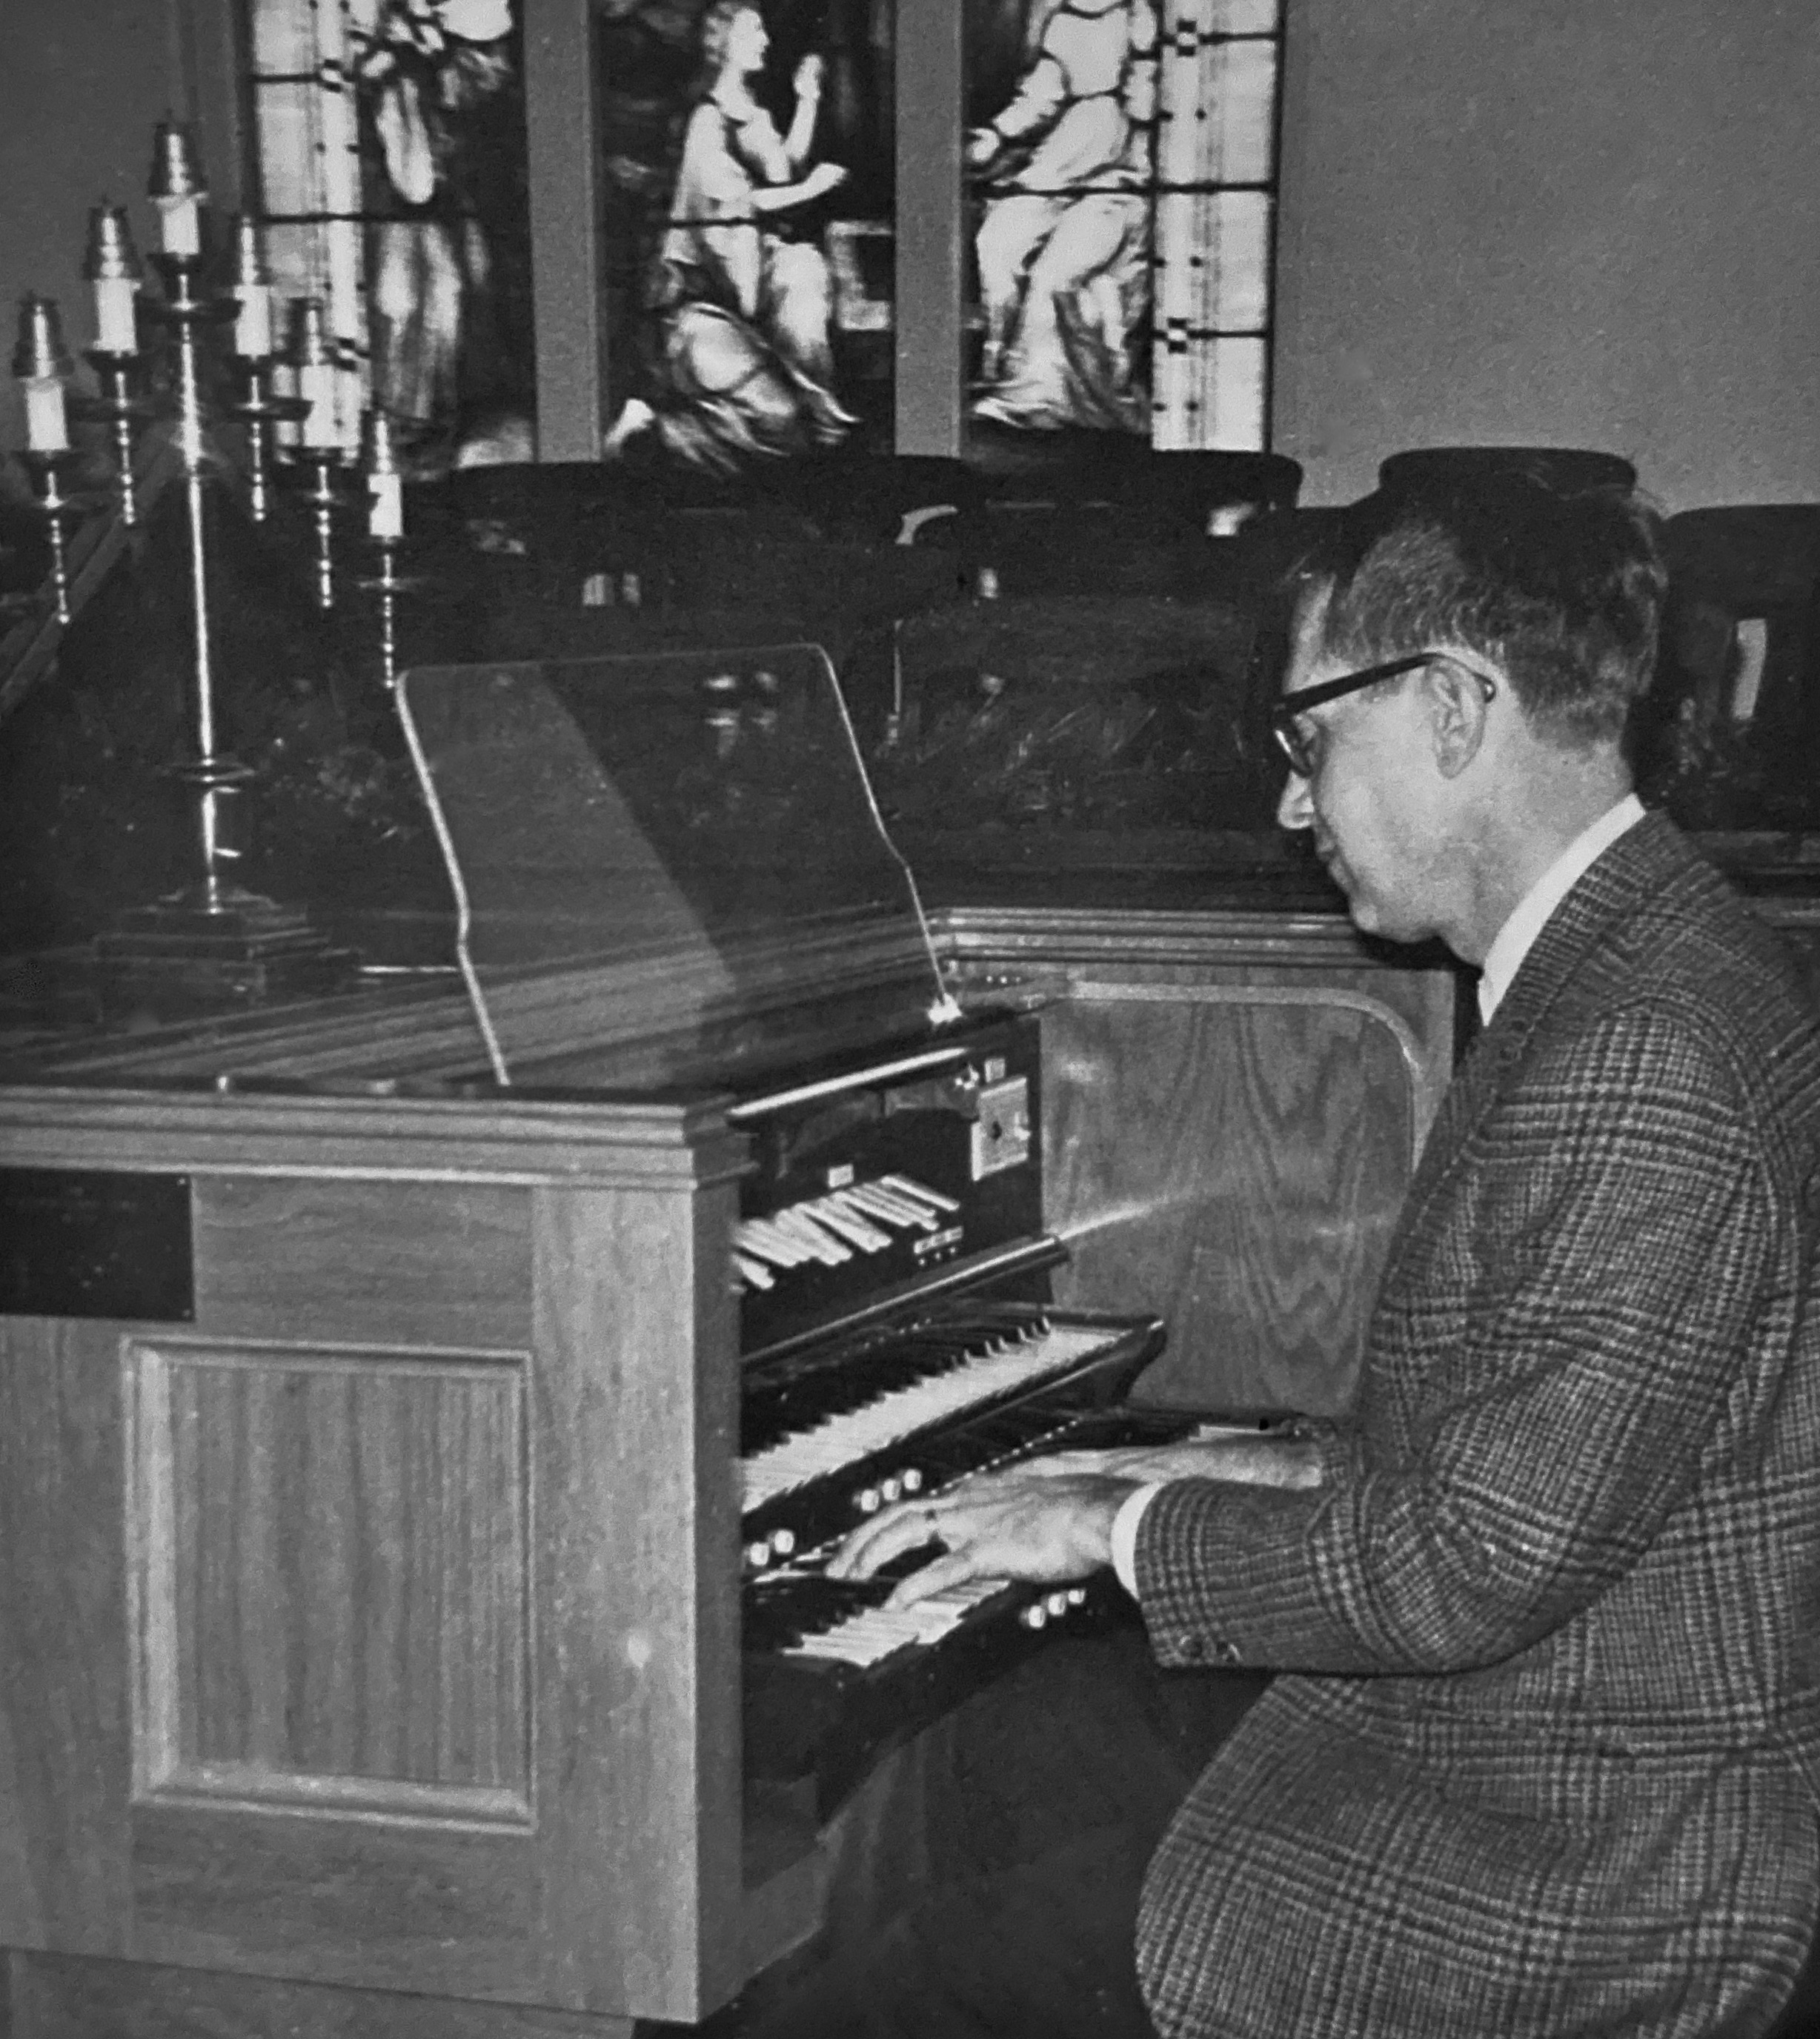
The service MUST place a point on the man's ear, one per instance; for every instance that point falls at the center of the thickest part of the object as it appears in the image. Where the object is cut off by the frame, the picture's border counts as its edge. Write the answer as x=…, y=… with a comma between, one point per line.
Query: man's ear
x=1457, y=709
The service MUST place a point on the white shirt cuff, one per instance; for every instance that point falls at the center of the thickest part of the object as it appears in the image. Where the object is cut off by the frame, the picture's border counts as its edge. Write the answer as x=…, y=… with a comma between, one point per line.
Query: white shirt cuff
x=1125, y=1534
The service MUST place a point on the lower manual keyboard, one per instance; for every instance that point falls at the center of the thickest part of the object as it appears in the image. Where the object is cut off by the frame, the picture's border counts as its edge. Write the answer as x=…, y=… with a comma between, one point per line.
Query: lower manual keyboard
x=833, y=1678
x=802, y=1613
x=861, y=1630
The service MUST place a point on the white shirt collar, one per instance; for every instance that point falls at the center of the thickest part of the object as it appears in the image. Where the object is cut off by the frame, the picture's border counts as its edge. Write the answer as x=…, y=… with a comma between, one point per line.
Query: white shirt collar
x=1517, y=936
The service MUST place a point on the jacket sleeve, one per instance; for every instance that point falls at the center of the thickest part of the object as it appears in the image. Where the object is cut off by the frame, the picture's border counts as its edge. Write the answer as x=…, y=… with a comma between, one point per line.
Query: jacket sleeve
x=1587, y=1322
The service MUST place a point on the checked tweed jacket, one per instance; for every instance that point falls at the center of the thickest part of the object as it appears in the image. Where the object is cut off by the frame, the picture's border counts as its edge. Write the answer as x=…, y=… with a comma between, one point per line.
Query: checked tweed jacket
x=1550, y=1761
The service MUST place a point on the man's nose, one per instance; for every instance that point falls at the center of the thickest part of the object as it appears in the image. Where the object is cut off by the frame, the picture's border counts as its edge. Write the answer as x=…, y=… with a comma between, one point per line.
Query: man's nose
x=1295, y=809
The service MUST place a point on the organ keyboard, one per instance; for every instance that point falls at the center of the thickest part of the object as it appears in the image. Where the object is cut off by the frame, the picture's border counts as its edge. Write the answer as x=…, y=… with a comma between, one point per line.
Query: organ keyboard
x=963, y=1389
x=904, y=1386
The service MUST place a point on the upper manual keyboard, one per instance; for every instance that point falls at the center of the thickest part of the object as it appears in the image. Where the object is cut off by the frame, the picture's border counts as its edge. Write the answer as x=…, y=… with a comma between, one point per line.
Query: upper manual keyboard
x=960, y=1374
x=826, y=1440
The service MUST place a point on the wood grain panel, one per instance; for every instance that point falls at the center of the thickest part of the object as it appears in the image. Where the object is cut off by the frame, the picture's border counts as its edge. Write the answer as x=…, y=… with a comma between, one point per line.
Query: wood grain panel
x=638, y=1722
x=1235, y=1158
x=446, y=1911
x=63, y=1761
x=329, y=1579
x=502, y=1139
x=56, y=1998
x=1057, y=952
x=417, y=1263
x=1234, y=1103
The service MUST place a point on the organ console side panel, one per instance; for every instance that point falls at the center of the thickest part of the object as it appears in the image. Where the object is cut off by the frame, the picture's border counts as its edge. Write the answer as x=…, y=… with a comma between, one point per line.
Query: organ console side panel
x=639, y=1429
x=1235, y=1105
x=368, y=1625
x=327, y=1579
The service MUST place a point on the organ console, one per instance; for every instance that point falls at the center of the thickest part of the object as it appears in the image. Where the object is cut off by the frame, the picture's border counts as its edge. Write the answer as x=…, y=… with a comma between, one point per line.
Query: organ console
x=428, y=1408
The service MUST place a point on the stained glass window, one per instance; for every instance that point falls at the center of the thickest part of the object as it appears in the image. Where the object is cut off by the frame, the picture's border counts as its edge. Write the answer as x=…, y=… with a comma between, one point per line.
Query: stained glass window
x=389, y=138
x=1100, y=191
x=309, y=177
x=1120, y=161
x=748, y=204
x=1220, y=66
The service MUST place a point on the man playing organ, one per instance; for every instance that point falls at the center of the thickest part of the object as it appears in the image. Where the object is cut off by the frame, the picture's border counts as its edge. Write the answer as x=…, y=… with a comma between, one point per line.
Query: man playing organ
x=1544, y=1752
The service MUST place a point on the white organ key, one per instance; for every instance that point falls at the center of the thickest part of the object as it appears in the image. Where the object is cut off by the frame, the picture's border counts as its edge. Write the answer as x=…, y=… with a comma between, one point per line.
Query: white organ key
x=759, y=1236
x=892, y=1207
x=828, y=1229
x=753, y=1273
x=849, y=1223
x=820, y=1244
x=839, y=1441
x=906, y=1186
x=874, y=1633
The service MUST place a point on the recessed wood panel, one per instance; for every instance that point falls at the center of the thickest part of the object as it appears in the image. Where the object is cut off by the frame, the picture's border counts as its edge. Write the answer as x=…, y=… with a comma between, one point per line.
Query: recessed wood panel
x=448, y=1910
x=1233, y=1156
x=329, y=1553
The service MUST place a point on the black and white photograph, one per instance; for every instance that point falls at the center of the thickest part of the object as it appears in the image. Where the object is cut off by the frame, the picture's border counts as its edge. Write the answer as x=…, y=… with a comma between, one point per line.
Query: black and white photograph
x=909, y=1020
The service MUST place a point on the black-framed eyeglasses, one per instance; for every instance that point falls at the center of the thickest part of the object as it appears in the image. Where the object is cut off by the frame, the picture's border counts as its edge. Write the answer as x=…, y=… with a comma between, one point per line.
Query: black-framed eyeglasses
x=1295, y=746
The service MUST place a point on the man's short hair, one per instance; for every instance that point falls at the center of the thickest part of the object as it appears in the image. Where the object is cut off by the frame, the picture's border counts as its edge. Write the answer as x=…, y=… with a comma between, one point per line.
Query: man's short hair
x=1563, y=591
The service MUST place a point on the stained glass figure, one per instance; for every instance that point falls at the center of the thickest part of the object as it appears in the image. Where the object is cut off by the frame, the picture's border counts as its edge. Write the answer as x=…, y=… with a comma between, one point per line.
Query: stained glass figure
x=738, y=292
x=1063, y=244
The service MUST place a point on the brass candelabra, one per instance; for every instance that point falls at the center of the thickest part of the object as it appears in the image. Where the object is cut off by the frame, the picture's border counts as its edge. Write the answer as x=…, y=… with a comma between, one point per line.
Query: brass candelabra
x=213, y=938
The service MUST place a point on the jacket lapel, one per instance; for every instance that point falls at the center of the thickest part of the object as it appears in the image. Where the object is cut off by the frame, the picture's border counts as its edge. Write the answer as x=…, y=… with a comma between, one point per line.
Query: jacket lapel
x=1634, y=869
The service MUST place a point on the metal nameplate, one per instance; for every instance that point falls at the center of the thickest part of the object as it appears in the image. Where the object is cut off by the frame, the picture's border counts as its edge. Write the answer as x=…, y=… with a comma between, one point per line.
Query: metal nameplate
x=1001, y=1134
x=96, y=1243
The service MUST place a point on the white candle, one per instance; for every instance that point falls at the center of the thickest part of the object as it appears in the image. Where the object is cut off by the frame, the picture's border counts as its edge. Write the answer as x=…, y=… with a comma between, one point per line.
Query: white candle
x=284, y=384
x=180, y=223
x=252, y=321
x=116, y=331
x=47, y=429
x=385, y=517
x=316, y=385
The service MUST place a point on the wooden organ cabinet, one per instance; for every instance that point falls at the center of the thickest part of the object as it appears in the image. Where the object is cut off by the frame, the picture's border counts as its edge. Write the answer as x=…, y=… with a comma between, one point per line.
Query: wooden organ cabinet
x=379, y=1533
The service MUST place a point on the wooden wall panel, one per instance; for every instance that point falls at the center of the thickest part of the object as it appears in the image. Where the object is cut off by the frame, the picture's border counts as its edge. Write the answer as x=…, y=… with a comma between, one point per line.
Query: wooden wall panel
x=1233, y=1104
x=329, y=1579
x=423, y=1263
x=1235, y=1158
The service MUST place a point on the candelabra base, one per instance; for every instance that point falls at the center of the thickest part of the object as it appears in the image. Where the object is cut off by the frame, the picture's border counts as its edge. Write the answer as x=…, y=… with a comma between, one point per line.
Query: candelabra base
x=237, y=948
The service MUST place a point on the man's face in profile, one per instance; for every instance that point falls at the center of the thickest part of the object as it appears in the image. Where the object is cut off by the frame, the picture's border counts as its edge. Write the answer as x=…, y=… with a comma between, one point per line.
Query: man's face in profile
x=1369, y=793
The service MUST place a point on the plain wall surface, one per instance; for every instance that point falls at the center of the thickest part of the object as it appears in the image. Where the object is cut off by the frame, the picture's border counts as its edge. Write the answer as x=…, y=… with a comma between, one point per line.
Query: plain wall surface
x=1567, y=222
x=83, y=86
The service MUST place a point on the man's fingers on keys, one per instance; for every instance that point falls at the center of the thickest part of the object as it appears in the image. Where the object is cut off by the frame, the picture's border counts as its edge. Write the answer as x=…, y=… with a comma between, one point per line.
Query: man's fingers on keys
x=954, y=1568
x=888, y=1535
